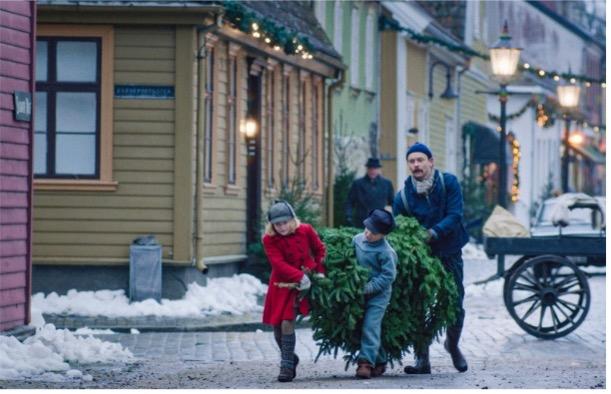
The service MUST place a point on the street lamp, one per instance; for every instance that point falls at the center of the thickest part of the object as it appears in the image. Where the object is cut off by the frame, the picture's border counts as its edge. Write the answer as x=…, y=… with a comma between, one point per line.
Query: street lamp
x=568, y=96
x=504, y=59
x=249, y=129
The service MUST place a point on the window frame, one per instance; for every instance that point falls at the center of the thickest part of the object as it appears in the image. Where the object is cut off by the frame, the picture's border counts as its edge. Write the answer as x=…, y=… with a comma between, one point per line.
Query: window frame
x=103, y=181
x=209, y=116
x=286, y=121
x=303, y=130
x=316, y=132
x=233, y=84
x=52, y=87
x=369, y=49
x=355, y=47
x=270, y=139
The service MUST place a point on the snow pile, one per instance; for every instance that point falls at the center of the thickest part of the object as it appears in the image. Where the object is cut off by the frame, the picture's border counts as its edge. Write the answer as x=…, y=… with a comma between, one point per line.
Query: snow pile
x=234, y=295
x=20, y=359
x=77, y=348
x=51, y=350
x=474, y=252
x=90, y=331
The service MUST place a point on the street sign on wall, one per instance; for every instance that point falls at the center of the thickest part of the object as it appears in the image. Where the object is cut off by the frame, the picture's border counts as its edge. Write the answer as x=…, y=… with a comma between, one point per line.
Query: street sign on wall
x=144, y=92
x=23, y=106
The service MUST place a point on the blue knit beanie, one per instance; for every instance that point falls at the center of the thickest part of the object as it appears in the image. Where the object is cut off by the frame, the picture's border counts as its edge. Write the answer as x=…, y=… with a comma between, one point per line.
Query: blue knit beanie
x=419, y=147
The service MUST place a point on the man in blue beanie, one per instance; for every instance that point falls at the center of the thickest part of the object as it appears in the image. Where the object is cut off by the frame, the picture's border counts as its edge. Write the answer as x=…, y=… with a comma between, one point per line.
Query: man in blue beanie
x=435, y=200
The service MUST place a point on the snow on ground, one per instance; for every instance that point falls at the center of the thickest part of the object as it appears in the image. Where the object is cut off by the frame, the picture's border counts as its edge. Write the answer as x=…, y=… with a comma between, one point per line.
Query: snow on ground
x=47, y=354
x=234, y=295
x=93, y=331
x=474, y=251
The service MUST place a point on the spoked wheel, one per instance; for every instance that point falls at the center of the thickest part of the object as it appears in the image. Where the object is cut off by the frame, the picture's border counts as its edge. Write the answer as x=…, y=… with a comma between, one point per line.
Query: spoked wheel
x=548, y=296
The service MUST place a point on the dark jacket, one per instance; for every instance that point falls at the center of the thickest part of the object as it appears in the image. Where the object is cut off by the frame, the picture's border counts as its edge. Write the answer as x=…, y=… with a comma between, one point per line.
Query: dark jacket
x=367, y=194
x=437, y=210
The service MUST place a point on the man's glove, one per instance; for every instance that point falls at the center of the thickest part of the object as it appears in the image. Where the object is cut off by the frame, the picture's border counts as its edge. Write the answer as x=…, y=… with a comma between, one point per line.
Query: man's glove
x=304, y=284
x=431, y=235
x=319, y=275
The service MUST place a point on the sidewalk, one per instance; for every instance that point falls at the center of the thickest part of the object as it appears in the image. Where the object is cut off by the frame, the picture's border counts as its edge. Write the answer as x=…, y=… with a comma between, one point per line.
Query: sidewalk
x=474, y=270
x=245, y=322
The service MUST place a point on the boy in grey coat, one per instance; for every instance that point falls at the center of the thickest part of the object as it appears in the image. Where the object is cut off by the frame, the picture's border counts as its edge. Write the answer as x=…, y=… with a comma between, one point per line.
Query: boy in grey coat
x=376, y=254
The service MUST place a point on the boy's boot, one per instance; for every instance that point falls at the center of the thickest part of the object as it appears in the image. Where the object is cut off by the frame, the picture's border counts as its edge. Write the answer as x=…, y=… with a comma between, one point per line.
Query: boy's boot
x=287, y=358
x=451, y=345
x=422, y=366
x=363, y=371
x=378, y=370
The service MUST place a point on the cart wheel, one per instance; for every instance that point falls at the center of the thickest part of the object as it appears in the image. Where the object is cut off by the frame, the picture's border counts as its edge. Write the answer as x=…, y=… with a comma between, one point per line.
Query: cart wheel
x=548, y=296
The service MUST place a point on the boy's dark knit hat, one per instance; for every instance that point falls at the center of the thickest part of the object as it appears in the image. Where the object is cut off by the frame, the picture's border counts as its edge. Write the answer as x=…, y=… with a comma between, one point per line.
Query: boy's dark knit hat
x=280, y=211
x=419, y=147
x=380, y=221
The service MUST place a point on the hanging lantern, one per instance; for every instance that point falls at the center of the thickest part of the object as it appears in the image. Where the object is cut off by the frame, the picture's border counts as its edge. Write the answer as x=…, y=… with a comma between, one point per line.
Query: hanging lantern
x=504, y=57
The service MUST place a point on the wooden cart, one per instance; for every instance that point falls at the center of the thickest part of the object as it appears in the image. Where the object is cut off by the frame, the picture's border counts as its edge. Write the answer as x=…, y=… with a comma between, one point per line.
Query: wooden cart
x=545, y=291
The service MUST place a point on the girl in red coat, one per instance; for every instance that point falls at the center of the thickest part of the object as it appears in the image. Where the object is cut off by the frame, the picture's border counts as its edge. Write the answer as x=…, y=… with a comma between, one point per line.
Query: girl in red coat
x=293, y=250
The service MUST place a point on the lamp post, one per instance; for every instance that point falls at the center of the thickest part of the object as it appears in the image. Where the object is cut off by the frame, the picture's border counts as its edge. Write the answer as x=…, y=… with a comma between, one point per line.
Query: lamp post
x=568, y=96
x=504, y=60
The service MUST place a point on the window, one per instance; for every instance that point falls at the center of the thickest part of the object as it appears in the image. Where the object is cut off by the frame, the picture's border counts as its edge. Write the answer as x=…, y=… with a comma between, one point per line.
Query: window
x=73, y=108
x=209, y=111
x=287, y=129
x=354, y=48
x=67, y=127
x=369, y=50
x=476, y=19
x=337, y=25
x=315, y=133
x=302, y=130
x=232, y=102
x=271, y=119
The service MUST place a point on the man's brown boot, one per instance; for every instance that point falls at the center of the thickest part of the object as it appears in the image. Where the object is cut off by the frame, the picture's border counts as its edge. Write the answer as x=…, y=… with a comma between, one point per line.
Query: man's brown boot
x=363, y=371
x=378, y=370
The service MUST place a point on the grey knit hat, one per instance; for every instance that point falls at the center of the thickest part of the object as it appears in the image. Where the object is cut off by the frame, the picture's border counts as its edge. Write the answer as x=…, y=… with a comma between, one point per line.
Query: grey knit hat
x=280, y=211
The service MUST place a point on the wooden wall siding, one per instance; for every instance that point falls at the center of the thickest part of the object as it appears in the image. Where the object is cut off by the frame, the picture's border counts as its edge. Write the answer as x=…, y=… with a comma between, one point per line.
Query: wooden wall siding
x=16, y=41
x=90, y=225
x=296, y=77
x=417, y=83
x=439, y=108
x=224, y=210
x=388, y=104
x=473, y=105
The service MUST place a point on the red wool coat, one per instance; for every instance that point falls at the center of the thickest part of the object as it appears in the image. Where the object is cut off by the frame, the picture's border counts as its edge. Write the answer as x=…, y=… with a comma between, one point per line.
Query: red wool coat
x=287, y=255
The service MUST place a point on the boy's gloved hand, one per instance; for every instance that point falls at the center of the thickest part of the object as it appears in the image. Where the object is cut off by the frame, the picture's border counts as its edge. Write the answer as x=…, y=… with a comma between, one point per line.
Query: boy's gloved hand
x=319, y=275
x=304, y=284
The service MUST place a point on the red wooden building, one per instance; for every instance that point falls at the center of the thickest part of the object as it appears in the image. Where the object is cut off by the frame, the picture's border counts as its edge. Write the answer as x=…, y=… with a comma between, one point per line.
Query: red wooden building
x=17, y=40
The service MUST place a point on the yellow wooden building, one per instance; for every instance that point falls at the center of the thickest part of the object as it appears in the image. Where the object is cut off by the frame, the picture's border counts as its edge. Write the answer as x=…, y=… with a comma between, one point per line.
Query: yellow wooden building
x=171, y=119
x=427, y=91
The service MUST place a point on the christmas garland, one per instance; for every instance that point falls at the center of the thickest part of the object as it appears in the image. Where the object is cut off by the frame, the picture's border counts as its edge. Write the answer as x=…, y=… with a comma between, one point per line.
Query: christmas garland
x=274, y=35
x=385, y=23
x=422, y=303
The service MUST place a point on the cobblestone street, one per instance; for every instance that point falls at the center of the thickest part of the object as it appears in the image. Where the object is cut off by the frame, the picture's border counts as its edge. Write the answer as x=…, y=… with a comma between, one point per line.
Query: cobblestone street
x=499, y=353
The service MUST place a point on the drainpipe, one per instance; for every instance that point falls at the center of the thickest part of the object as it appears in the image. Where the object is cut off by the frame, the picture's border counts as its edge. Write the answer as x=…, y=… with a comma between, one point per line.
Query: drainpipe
x=199, y=181
x=330, y=149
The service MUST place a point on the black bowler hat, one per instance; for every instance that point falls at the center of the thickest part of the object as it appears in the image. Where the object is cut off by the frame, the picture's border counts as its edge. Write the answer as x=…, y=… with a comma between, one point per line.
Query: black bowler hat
x=372, y=162
x=379, y=221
